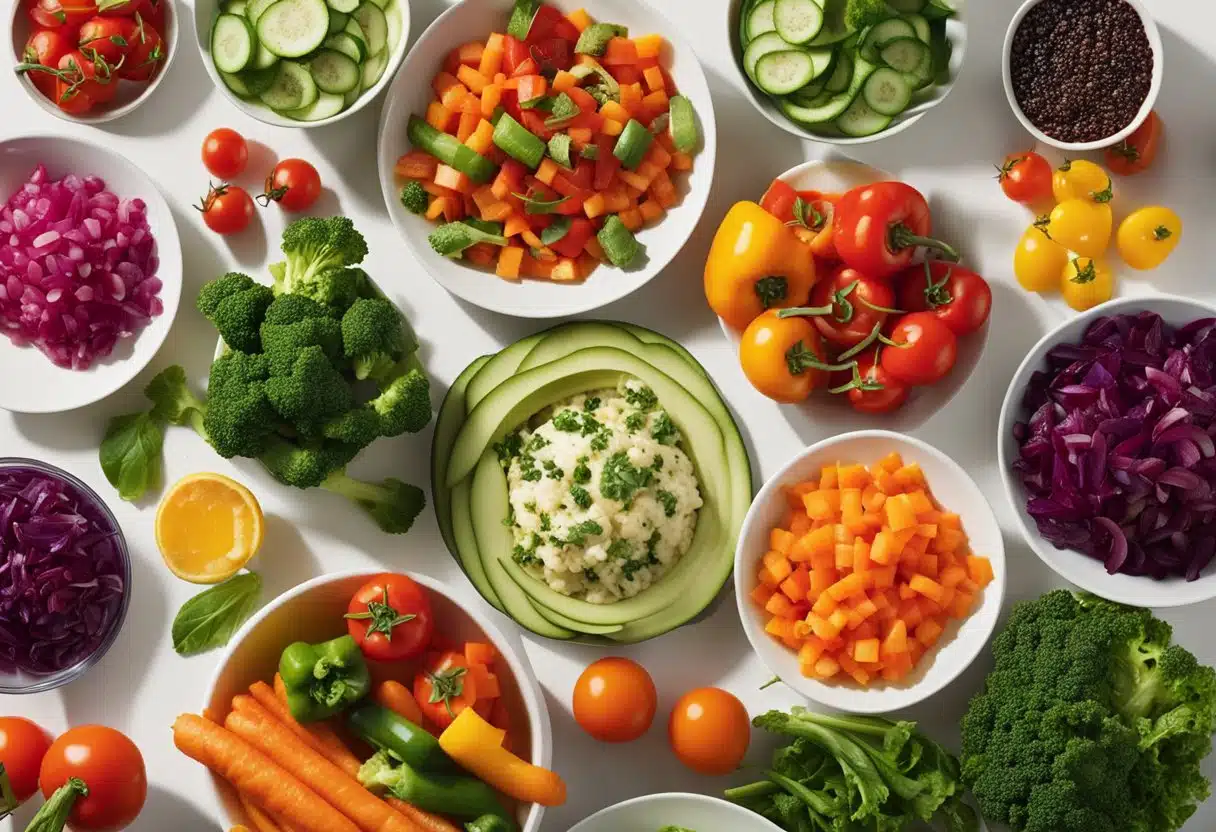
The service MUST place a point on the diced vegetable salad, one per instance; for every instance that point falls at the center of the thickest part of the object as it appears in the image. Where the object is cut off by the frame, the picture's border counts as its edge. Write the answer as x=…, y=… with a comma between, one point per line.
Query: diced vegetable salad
x=866, y=573
x=546, y=148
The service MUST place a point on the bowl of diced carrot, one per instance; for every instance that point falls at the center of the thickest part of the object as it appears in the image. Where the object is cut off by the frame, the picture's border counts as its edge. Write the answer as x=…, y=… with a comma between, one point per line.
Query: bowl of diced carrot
x=870, y=572
x=545, y=159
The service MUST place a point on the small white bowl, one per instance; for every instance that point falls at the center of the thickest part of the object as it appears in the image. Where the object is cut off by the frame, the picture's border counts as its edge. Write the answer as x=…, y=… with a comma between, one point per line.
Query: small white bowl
x=32, y=384
x=954, y=489
x=410, y=94
x=130, y=95
x=835, y=175
x=686, y=811
x=205, y=12
x=313, y=612
x=1154, y=40
x=956, y=31
x=1080, y=569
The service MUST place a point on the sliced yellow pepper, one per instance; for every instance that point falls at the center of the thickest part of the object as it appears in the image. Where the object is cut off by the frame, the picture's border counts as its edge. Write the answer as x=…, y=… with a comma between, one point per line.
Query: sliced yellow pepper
x=478, y=747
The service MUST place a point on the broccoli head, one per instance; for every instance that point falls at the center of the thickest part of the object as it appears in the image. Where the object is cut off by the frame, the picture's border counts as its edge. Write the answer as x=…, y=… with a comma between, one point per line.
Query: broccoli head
x=859, y=14
x=305, y=466
x=374, y=338
x=236, y=305
x=291, y=309
x=414, y=197
x=239, y=420
x=359, y=427
x=319, y=255
x=453, y=238
x=405, y=405
x=282, y=343
x=311, y=394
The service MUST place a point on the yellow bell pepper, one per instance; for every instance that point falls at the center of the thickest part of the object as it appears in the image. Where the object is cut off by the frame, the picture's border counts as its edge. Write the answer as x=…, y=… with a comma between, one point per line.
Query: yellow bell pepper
x=478, y=747
x=756, y=263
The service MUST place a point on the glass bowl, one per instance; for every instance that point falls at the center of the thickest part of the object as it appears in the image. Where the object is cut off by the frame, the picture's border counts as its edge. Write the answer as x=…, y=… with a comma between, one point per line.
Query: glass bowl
x=22, y=681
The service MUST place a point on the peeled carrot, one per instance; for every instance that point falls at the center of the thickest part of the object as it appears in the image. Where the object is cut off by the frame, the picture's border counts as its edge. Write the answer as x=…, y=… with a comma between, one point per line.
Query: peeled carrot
x=260, y=820
x=398, y=699
x=424, y=820
x=254, y=774
x=319, y=735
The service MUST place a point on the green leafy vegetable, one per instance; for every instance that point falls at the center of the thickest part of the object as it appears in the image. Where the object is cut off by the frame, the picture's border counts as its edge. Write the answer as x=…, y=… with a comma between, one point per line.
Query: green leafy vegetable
x=557, y=230
x=534, y=205
x=209, y=619
x=620, y=480
x=131, y=454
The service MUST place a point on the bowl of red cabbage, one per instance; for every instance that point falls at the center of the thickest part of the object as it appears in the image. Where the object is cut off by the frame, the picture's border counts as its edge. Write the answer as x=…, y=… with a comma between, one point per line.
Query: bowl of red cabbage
x=65, y=577
x=1107, y=450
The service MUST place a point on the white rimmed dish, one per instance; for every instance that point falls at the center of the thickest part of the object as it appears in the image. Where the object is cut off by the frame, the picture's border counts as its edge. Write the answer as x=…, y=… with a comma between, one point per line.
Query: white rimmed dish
x=32, y=384
x=205, y=12
x=1154, y=40
x=835, y=175
x=313, y=612
x=954, y=489
x=131, y=94
x=1078, y=568
x=410, y=94
x=956, y=32
x=685, y=811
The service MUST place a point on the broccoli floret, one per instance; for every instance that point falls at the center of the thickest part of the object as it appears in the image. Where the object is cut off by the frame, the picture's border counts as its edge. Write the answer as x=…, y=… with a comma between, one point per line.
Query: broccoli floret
x=305, y=466
x=393, y=504
x=374, y=338
x=405, y=405
x=290, y=309
x=236, y=305
x=859, y=14
x=451, y=239
x=311, y=394
x=414, y=197
x=239, y=420
x=359, y=427
x=320, y=254
x=282, y=343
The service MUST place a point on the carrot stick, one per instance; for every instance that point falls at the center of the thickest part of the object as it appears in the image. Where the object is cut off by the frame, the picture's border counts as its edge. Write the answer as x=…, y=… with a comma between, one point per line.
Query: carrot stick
x=256, y=816
x=398, y=699
x=252, y=773
x=320, y=736
x=425, y=820
x=341, y=791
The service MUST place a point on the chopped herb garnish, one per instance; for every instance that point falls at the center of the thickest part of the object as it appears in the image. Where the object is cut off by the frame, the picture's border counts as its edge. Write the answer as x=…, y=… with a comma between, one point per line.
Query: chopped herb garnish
x=591, y=424
x=536, y=443
x=546, y=523
x=581, y=497
x=531, y=475
x=664, y=431
x=620, y=550
x=530, y=506
x=641, y=397
x=566, y=421
x=620, y=480
x=508, y=448
x=590, y=577
x=552, y=470
x=601, y=440
x=635, y=421
x=651, y=545
x=657, y=465
x=581, y=531
x=669, y=502
x=582, y=472
x=592, y=403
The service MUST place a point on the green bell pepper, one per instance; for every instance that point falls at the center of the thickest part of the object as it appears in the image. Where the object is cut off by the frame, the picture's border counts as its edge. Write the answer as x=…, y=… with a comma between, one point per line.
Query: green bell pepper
x=487, y=823
x=323, y=679
x=459, y=796
x=387, y=731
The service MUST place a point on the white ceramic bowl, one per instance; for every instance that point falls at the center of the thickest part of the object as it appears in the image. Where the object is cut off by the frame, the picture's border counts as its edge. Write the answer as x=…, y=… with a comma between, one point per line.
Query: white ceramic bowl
x=924, y=101
x=313, y=612
x=205, y=12
x=954, y=489
x=32, y=384
x=1084, y=571
x=410, y=94
x=1154, y=40
x=130, y=95
x=686, y=811
x=833, y=413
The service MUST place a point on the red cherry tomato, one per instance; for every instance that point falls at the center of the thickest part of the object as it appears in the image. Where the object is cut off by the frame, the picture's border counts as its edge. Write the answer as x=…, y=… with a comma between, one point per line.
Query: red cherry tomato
x=225, y=153
x=444, y=688
x=877, y=228
x=960, y=297
x=51, y=14
x=83, y=81
x=875, y=390
x=46, y=48
x=858, y=305
x=109, y=37
x=112, y=768
x=1136, y=153
x=390, y=618
x=709, y=731
x=1025, y=178
x=227, y=209
x=926, y=351
x=146, y=55
x=22, y=747
x=615, y=700
x=294, y=184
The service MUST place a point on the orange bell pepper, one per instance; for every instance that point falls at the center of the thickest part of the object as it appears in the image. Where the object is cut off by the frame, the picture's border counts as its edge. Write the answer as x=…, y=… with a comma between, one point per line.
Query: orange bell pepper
x=478, y=747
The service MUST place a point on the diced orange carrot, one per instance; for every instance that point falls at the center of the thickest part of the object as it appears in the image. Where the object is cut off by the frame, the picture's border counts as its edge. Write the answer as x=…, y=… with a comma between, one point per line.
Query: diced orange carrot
x=656, y=102
x=778, y=564
x=651, y=211
x=468, y=123
x=492, y=55
x=883, y=578
x=471, y=78
x=593, y=248
x=620, y=52
x=823, y=504
x=849, y=586
x=883, y=548
x=653, y=76
x=826, y=667
x=761, y=593
x=821, y=579
x=866, y=650
x=435, y=210
x=812, y=648
x=581, y=136
x=860, y=675
x=648, y=46
x=616, y=201
x=440, y=117
x=491, y=96
x=515, y=225
x=781, y=540
x=443, y=82
x=768, y=578
x=960, y=606
x=454, y=96
x=631, y=218
x=547, y=171
x=482, y=139
x=580, y=19
x=952, y=576
x=927, y=587
x=634, y=180
x=510, y=259
x=612, y=127
x=613, y=110
x=896, y=640
x=927, y=564
x=979, y=569
x=824, y=604
x=780, y=606
x=800, y=524
x=566, y=271
x=447, y=177
x=797, y=585
x=780, y=627
x=416, y=164
x=948, y=540
x=594, y=206
x=482, y=254
x=928, y=632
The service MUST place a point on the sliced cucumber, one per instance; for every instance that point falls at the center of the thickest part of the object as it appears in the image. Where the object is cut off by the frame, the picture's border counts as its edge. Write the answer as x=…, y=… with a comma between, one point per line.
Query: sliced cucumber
x=781, y=73
x=804, y=96
x=259, y=80
x=392, y=16
x=835, y=27
x=237, y=84
x=834, y=106
x=859, y=120
x=383, y=4
x=919, y=25
x=887, y=92
x=353, y=29
x=797, y=21
x=293, y=28
x=342, y=6
x=326, y=106
x=264, y=58
x=881, y=33
x=375, y=28
x=842, y=73
x=232, y=43
x=924, y=73
x=758, y=48
x=907, y=6
x=348, y=45
x=337, y=21
x=351, y=97
x=335, y=72
x=373, y=69
x=236, y=7
x=905, y=54
x=256, y=8
x=760, y=20
x=293, y=87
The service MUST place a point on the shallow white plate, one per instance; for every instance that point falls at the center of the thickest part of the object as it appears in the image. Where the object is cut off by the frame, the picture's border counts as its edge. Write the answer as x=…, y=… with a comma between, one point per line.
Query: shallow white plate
x=411, y=92
x=31, y=383
x=954, y=489
x=688, y=811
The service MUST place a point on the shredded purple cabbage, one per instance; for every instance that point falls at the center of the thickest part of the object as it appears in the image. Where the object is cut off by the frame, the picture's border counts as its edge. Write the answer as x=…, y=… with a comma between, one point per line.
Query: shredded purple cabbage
x=1118, y=458
x=61, y=573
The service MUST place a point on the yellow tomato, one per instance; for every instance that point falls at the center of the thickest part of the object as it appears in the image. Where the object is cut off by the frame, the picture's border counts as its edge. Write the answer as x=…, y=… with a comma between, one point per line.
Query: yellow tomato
x=1086, y=282
x=1082, y=226
x=1148, y=236
x=783, y=358
x=1079, y=179
x=1038, y=260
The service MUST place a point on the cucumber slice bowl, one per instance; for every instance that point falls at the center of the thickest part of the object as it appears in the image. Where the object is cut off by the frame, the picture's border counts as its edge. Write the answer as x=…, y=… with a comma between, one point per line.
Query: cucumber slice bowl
x=302, y=63
x=497, y=394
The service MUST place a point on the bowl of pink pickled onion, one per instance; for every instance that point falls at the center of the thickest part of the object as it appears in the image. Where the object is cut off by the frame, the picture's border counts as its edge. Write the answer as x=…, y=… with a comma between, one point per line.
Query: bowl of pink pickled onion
x=90, y=273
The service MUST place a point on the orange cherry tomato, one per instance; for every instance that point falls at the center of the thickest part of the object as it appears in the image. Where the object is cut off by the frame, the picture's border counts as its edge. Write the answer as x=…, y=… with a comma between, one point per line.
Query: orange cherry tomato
x=783, y=358
x=615, y=700
x=109, y=764
x=709, y=731
x=22, y=747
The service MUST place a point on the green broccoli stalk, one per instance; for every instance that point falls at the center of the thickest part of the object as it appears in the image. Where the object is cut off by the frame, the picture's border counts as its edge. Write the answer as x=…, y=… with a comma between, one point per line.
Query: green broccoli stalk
x=320, y=254
x=453, y=238
x=393, y=504
x=236, y=305
x=414, y=197
x=374, y=338
x=859, y=14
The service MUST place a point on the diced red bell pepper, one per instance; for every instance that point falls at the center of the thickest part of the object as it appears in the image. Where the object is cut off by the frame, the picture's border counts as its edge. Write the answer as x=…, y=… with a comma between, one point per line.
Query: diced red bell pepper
x=565, y=30
x=515, y=52
x=510, y=103
x=553, y=52
x=625, y=74
x=779, y=200
x=551, y=23
x=535, y=122
x=606, y=165
x=589, y=119
x=528, y=66
x=583, y=99
x=581, y=230
x=583, y=174
x=573, y=207
x=513, y=173
x=539, y=222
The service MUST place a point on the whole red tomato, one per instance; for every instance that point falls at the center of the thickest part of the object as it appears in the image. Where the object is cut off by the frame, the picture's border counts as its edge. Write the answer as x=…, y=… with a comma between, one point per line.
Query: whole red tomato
x=858, y=304
x=110, y=766
x=925, y=349
x=444, y=688
x=226, y=209
x=294, y=184
x=873, y=389
x=109, y=37
x=879, y=227
x=390, y=618
x=146, y=54
x=51, y=14
x=46, y=48
x=1025, y=178
x=960, y=297
x=22, y=747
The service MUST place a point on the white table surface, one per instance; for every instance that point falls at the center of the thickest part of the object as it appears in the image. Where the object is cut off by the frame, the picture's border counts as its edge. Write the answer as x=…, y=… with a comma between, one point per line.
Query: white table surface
x=142, y=685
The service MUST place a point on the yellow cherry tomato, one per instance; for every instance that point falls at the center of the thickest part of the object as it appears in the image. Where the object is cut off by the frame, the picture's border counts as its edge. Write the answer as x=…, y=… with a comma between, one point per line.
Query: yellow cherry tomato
x=1086, y=282
x=1038, y=260
x=1082, y=226
x=783, y=358
x=1148, y=236
x=1079, y=179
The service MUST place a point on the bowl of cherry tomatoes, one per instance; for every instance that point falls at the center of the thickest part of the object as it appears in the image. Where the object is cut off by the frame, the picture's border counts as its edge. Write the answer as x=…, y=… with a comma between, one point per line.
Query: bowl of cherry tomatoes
x=92, y=61
x=838, y=298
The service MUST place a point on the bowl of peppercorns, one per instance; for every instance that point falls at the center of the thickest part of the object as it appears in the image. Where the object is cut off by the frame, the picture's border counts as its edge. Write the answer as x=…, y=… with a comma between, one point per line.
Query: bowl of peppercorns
x=1082, y=74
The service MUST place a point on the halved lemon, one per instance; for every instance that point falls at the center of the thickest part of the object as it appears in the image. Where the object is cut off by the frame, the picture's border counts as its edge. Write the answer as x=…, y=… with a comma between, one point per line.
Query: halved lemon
x=207, y=527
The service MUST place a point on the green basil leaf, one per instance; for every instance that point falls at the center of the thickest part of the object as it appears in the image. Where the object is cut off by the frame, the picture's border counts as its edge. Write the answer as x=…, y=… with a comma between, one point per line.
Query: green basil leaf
x=558, y=229
x=543, y=103
x=130, y=454
x=209, y=619
x=539, y=206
